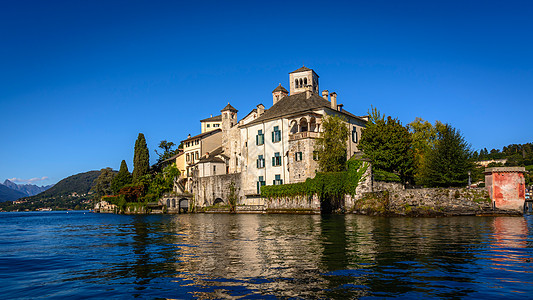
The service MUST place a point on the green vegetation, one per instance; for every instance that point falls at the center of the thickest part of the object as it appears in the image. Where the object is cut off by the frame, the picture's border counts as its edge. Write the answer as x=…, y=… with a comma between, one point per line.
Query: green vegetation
x=388, y=145
x=326, y=185
x=380, y=175
x=102, y=185
x=331, y=145
x=141, y=158
x=122, y=178
x=449, y=161
x=167, y=153
x=424, y=136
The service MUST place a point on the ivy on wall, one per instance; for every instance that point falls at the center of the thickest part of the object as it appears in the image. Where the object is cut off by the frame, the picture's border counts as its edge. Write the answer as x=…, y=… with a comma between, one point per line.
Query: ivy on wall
x=325, y=185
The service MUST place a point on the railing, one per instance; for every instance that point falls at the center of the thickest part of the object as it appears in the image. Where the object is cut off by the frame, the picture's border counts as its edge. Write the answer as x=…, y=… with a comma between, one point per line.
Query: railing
x=303, y=135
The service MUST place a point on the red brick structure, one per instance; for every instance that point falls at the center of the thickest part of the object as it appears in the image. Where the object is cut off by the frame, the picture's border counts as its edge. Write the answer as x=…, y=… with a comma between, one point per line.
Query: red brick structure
x=507, y=187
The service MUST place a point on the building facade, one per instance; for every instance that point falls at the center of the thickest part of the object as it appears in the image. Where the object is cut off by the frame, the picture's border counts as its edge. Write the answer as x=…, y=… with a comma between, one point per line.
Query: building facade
x=270, y=146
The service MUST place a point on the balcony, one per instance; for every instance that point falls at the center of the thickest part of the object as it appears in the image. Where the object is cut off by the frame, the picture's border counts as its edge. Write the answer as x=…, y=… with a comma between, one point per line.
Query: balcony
x=303, y=135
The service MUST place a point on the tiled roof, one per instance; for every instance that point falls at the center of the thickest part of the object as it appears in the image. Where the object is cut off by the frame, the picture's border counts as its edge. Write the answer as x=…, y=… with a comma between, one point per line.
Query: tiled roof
x=213, y=119
x=201, y=135
x=230, y=108
x=280, y=88
x=302, y=69
x=294, y=104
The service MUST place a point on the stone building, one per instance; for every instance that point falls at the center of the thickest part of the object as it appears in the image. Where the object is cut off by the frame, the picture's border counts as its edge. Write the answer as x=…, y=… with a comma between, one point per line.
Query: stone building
x=506, y=186
x=269, y=146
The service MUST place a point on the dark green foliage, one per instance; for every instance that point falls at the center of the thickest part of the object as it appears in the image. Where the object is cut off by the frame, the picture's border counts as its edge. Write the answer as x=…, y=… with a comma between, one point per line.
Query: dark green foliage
x=168, y=152
x=102, y=185
x=331, y=145
x=122, y=178
x=141, y=158
x=516, y=154
x=449, y=161
x=325, y=185
x=380, y=175
x=388, y=145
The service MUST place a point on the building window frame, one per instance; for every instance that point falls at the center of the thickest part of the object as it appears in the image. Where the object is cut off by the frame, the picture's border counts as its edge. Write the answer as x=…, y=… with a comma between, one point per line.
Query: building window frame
x=276, y=160
x=276, y=135
x=261, y=182
x=260, y=138
x=298, y=156
x=277, y=180
x=260, y=161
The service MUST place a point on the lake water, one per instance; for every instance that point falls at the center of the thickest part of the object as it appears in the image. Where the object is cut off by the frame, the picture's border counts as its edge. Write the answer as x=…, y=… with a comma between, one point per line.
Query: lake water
x=86, y=255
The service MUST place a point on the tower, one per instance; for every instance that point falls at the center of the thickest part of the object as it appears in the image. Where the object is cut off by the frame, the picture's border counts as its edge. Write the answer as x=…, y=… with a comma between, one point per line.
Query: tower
x=229, y=119
x=301, y=78
x=278, y=93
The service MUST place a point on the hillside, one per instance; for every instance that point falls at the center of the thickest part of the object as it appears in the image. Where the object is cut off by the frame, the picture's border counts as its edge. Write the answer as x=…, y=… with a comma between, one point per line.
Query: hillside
x=7, y=194
x=69, y=193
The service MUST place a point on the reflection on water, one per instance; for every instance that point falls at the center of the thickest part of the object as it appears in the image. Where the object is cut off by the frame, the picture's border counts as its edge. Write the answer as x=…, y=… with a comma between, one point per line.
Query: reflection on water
x=262, y=256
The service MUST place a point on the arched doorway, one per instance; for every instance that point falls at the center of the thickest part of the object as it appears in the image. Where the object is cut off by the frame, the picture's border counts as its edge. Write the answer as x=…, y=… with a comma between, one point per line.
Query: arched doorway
x=218, y=201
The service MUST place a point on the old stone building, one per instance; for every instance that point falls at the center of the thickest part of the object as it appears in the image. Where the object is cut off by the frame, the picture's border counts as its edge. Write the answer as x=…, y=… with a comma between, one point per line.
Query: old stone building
x=267, y=146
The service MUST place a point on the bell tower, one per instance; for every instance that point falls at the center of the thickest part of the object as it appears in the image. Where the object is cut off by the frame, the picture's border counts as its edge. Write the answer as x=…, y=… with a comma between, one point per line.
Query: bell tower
x=301, y=78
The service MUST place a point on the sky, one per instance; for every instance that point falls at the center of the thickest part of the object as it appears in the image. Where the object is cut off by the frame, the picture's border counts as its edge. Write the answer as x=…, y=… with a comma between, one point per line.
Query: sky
x=80, y=79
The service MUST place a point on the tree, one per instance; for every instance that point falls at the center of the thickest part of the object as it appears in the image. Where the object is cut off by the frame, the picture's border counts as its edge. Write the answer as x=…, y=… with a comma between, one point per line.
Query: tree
x=388, y=145
x=103, y=182
x=168, y=152
x=162, y=182
x=122, y=178
x=331, y=145
x=424, y=135
x=141, y=158
x=449, y=161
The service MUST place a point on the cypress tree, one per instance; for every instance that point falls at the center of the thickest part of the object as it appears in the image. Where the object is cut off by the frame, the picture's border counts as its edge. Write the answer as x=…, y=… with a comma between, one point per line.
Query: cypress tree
x=122, y=178
x=141, y=158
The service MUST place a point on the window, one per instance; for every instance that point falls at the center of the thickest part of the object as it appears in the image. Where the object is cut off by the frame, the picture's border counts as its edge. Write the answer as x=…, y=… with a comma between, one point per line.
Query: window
x=305, y=81
x=214, y=170
x=276, y=160
x=296, y=83
x=260, y=162
x=197, y=142
x=188, y=144
x=354, y=135
x=315, y=155
x=216, y=125
x=188, y=157
x=278, y=180
x=276, y=135
x=260, y=138
x=196, y=154
x=260, y=183
x=208, y=125
x=298, y=156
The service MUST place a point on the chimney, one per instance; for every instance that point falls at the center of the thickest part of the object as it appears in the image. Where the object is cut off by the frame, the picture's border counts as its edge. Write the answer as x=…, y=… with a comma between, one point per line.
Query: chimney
x=339, y=107
x=308, y=91
x=333, y=100
x=189, y=136
x=325, y=94
x=260, y=109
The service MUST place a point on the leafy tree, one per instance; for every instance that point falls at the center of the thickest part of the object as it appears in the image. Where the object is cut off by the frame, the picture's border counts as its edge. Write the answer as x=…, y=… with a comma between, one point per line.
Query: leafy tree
x=424, y=136
x=162, y=182
x=388, y=145
x=168, y=152
x=122, y=178
x=103, y=182
x=141, y=158
x=331, y=145
x=449, y=161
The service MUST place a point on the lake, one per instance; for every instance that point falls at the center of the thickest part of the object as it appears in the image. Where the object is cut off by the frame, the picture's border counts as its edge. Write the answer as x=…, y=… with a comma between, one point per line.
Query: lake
x=87, y=255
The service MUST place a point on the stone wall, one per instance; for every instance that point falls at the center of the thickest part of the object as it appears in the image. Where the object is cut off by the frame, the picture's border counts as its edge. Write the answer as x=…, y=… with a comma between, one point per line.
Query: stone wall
x=426, y=202
x=207, y=189
x=295, y=204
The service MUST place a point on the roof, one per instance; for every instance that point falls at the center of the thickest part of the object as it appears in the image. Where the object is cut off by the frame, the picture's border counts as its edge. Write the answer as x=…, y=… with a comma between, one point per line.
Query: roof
x=230, y=108
x=213, y=119
x=201, y=135
x=302, y=69
x=212, y=157
x=294, y=104
x=280, y=88
x=174, y=157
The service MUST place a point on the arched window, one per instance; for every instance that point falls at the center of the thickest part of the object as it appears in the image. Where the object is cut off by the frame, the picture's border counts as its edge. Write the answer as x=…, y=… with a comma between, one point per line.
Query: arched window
x=305, y=82
x=301, y=83
x=296, y=83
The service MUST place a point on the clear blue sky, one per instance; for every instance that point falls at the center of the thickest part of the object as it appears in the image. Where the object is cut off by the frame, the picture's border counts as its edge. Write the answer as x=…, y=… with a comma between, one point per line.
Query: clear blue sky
x=80, y=79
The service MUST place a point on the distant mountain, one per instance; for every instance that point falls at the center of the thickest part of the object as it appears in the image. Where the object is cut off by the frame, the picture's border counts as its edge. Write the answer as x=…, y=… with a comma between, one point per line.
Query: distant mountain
x=79, y=184
x=7, y=194
x=26, y=189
